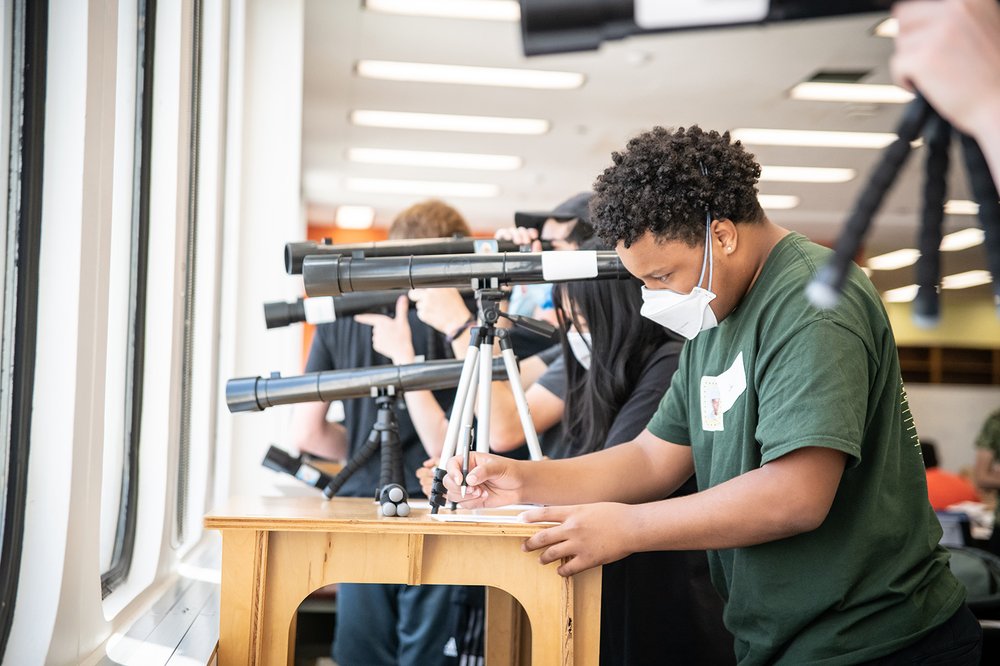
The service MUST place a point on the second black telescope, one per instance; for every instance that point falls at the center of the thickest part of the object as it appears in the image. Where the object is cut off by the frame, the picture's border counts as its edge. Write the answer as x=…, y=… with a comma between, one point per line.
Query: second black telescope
x=333, y=275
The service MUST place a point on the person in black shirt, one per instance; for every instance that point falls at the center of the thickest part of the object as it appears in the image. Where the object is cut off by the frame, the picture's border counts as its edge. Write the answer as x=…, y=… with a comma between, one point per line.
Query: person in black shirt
x=381, y=625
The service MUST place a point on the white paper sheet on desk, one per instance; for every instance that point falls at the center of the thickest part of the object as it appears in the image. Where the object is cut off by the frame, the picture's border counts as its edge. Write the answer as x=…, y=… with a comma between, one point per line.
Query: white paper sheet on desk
x=481, y=518
x=424, y=504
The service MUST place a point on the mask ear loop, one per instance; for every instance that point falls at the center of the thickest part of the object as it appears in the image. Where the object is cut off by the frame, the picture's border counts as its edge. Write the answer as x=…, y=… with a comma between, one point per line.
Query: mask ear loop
x=707, y=256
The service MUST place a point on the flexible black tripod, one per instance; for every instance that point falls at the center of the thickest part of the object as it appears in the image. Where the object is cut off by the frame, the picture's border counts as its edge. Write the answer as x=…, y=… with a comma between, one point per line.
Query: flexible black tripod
x=824, y=291
x=391, y=492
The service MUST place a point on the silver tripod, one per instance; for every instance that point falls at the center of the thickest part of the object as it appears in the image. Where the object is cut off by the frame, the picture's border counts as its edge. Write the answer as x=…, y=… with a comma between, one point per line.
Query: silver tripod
x=475, y=381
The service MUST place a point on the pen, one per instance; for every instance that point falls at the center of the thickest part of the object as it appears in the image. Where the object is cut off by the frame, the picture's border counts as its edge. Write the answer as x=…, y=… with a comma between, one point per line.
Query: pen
x=465, y=461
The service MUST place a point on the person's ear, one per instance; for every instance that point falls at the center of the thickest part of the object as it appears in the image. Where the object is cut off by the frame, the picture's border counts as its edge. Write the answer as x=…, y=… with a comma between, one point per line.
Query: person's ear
x=725, y=236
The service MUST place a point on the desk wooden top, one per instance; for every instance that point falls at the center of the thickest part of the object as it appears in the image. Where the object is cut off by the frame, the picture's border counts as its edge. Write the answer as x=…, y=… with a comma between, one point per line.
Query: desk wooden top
x=349, y=514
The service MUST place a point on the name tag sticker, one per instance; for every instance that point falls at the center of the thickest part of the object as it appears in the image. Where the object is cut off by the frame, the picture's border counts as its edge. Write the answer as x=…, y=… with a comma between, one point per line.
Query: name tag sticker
x=719, y=394
x=711, y=405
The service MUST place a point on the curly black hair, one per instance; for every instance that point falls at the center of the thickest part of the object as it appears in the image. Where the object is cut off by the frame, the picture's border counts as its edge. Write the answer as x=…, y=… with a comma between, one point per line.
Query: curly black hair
x=656, y=184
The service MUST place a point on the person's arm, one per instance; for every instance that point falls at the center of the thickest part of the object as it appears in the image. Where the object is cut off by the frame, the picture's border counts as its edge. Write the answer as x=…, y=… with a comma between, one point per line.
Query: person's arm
x=506, y=433
x=643, y=470
x=309, y=430
x=949, y=50
x=788, y=496
x=312, y=433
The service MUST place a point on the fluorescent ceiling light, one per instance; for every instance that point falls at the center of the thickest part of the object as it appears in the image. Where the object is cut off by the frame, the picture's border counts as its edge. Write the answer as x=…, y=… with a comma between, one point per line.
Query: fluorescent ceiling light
x=867, y=271
x=961, y=207
x=467, y=75
x=423, y=158
x=869, y=93
x=822, y=139
x=901, y=295
x=355, y=217
x=428, y=188
x=806, y=174
x=887, y=28
x=485, y=10
x=777, y=201
x=448, y=122
x=962, y=240
x=966, y=279
x=893, y=260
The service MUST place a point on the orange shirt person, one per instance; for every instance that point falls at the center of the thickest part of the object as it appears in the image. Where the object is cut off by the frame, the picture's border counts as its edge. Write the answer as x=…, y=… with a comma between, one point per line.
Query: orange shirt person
x=945, y=488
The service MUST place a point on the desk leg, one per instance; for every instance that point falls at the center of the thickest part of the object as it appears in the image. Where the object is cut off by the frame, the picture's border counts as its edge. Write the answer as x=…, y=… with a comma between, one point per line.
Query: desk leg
x=242, y=599
x=587, y=617
x=506, y=630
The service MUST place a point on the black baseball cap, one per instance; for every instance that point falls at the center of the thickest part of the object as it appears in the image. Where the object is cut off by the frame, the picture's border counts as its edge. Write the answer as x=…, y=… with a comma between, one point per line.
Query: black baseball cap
x=576, y=207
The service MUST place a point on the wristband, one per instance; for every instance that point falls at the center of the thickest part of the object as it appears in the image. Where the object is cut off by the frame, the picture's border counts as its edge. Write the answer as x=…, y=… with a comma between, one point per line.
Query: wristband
x=469, y=323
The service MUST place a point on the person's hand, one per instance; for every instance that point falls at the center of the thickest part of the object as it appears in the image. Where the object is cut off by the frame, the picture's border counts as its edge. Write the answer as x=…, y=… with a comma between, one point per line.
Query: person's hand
x=391, y=336
x=425, y=474
x=521, y=236
x=949, y=50
x=492, y=481
x=442, y=309
x=588, y=535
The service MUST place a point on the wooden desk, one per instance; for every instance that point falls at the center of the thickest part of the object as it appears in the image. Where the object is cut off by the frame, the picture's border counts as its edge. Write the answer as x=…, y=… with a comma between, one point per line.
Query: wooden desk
x=277, y=550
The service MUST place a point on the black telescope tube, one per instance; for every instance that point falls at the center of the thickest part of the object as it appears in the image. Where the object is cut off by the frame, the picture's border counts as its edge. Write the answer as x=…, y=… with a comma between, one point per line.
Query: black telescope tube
x=296, y=252
x=281, y=313
x=333, y=275
x=255, y=394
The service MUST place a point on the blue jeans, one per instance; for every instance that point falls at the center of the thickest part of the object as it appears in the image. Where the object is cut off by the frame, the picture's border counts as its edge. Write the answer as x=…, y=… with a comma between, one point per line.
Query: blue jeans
x=386, y=625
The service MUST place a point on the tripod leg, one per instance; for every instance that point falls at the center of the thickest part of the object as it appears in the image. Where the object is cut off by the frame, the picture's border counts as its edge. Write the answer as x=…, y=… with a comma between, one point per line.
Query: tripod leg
x=485, y=392
x=463, y=394
x=985, y=192
x=354, y=464
x=824, y=290
x=523, y=412
x=926, y=305
x=391, y=494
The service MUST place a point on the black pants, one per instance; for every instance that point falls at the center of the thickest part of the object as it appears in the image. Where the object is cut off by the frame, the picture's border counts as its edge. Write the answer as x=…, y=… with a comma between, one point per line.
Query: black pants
x=957, y=642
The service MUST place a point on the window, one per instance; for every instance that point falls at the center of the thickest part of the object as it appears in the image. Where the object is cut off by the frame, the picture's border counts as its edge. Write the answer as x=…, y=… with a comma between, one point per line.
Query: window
x=202, y=277
x=190, y=285
x=23, y=26
x=127, y=289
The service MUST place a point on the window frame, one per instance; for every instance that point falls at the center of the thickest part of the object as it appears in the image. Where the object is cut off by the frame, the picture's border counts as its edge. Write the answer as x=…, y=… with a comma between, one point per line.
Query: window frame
x=125, y=533
x=30, y=47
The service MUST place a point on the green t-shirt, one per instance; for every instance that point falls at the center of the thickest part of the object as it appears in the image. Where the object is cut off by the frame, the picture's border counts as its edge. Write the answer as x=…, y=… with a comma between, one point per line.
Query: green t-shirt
x=779, y=375
x=989, y=439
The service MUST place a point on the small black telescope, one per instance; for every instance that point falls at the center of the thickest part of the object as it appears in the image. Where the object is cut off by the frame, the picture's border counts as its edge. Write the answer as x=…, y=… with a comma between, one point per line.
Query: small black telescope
x=333, y=275
x=296, y=252
x=328, y=308
x=255, y=394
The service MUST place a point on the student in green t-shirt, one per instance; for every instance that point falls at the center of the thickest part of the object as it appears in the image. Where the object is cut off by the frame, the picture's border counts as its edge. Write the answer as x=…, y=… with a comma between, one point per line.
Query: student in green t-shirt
x=812, y=499
x=987, y=470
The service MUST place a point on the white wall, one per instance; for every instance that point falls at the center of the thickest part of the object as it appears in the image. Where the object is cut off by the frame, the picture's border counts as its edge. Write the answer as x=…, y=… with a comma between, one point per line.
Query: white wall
x=951, y=415
x=263, y=212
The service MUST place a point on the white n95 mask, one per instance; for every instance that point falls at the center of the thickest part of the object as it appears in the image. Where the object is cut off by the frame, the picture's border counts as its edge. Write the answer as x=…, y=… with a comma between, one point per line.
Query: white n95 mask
x=580, y=345
x=684, y=314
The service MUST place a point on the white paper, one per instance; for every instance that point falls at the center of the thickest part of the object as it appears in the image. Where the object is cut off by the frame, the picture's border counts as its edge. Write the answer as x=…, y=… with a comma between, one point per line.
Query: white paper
x=569, y=265
x=732, y=383
x=480, y=518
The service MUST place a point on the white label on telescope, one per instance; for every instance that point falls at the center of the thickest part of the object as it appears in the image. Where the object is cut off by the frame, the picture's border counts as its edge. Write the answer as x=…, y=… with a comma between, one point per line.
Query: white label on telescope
x=569, y=265
x=307, y=474
x=652, y=14
x=319, y=310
